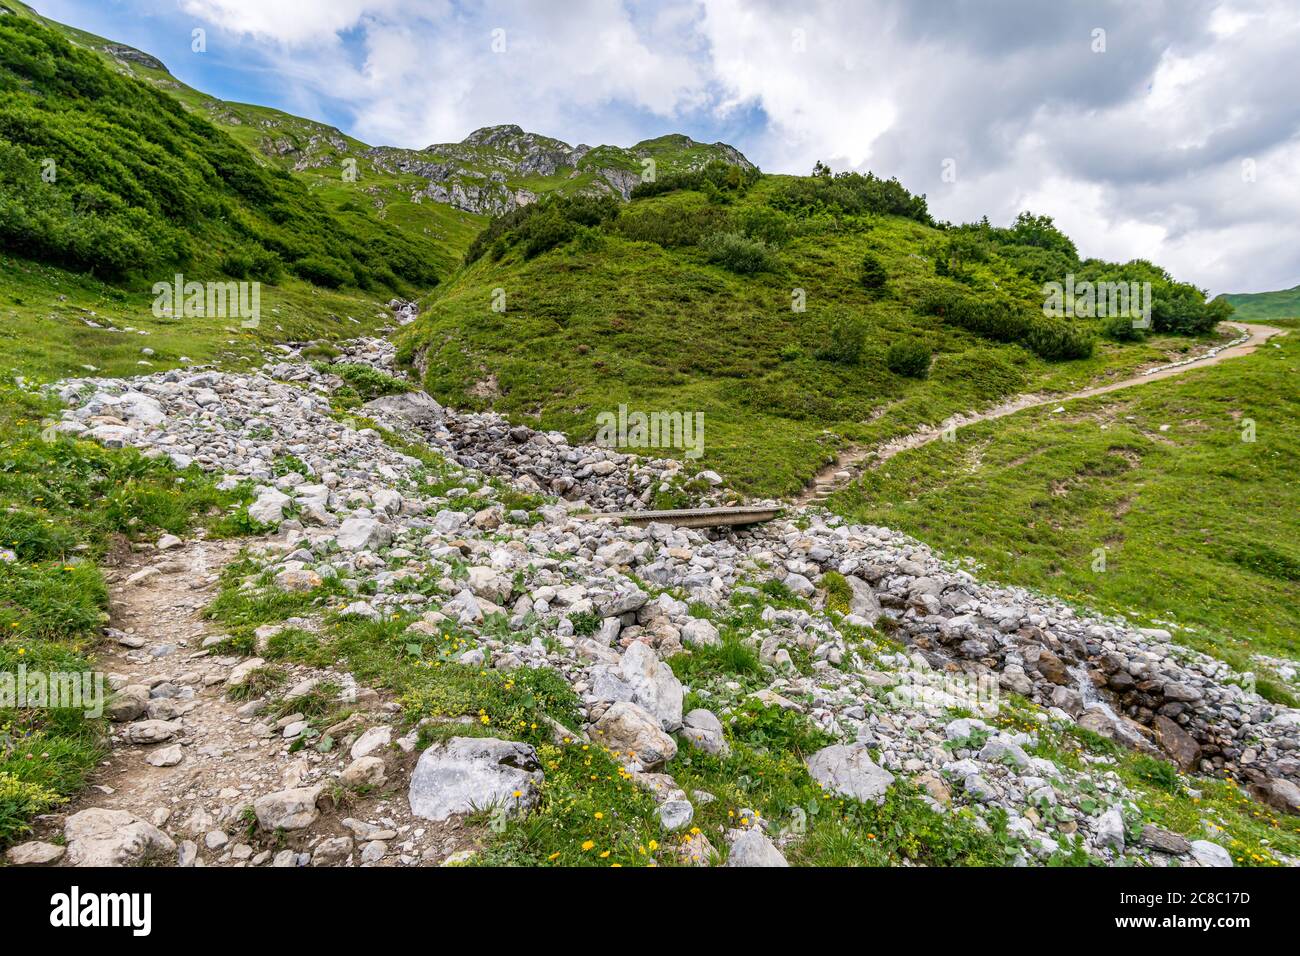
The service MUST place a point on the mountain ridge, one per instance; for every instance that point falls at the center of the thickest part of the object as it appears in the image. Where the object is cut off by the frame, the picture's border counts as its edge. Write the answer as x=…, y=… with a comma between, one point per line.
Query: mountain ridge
x=479, y=175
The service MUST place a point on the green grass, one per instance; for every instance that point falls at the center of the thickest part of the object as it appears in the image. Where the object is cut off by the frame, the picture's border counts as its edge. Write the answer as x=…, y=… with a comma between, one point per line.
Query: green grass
x=44, y=333
x=1197, y=524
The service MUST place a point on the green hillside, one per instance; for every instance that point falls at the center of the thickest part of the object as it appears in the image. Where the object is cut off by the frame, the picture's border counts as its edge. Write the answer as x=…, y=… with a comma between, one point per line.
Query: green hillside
x=1197, y=524
x=109, y=177
x=685, y=300
x=1263, y=306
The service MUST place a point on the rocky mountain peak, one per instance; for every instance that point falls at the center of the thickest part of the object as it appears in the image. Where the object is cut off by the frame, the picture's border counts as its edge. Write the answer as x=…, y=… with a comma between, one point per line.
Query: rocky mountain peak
x=496, y=169
x=492, y=135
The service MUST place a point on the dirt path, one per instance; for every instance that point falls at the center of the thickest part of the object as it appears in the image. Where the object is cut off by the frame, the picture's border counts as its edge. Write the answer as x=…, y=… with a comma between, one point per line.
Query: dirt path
x=217, y=755
x=850, y=461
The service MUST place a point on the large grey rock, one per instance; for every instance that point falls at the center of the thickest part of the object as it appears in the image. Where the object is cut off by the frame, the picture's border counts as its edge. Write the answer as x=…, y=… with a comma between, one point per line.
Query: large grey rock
x=752, y=848
x=676, y=815
x=1164, y=840
x=293, y=809
x=1001, y=750
x=362, y=534
x=363, y=772
x=418, y=408
x=128, y=704
x=698, y=632
x=847, y=769
x=634, y=735
x=1110, y=830
x=1280, y=793
x=864, y=602
x=653, y=684
x=269, y=506
x=1210, y=854
x=101, y=837
x=465, y=774
x=374, y=739
x=152, y=731
x=704, y=731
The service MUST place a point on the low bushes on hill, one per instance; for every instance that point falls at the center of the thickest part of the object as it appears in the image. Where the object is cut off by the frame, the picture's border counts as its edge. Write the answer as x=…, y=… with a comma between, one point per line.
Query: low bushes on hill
x=1057, y=340
x=850, y=194
x=541, y=226
x=844, y=344
x=715, y=177
x=1002, y=319
x=987, y=373
x=1120, y=328
x=908, y=358
x=670, y=224
x=102, y=173
x=735, y=252
x=872, y=273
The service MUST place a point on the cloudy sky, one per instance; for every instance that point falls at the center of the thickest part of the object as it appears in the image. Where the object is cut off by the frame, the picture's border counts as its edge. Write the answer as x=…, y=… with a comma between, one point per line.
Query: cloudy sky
x=1163, y=129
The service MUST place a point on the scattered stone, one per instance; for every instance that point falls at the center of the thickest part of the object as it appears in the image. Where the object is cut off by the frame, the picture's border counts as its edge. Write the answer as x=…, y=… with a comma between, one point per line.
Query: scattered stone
x=753, y=848
x=465, y=774
x=34, y=853
x=848, y=770
x=100, y=837
x=293, y=809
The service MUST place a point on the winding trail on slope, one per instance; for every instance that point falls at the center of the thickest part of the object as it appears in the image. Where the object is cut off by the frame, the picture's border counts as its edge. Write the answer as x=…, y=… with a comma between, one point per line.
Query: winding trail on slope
x=849, y=462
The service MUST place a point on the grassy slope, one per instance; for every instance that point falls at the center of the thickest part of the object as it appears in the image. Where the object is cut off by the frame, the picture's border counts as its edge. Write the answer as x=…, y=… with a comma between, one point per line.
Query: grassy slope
x=663, y=330
x=1266, y=306
x=44, y=335
x=1199, y=525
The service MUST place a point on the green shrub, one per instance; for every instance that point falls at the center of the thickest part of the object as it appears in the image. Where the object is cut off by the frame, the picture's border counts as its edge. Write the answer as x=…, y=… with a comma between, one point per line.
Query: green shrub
x=850, y=194
x=1003, y=319
x=19, y=802
x=989, y=317
x=909, y=358
x=1121, y=329
x=839, y=596
x=1159, y=773
x=715, y=178
x=872, y=273
x=327, y=272
x=844, y=344
x=740, y=255
x=987, y=372
x=541, y=226
x=1057, y=340
x=369, y=383
x=764, y=224
x=670, y=224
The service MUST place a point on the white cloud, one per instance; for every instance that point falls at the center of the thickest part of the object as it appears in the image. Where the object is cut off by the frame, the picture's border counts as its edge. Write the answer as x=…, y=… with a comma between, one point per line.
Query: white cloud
x=316, y=22
x=1136, y=151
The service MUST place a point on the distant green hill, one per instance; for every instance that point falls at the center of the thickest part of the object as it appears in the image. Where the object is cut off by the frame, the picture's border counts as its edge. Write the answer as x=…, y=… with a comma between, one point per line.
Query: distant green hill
x=1250, y=306
x=105, y=175
x=787, y=309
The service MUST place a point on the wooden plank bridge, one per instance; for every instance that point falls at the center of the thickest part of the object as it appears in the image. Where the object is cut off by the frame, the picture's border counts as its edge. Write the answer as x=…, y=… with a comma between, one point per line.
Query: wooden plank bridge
x=695, y=517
